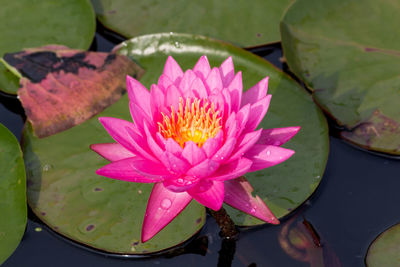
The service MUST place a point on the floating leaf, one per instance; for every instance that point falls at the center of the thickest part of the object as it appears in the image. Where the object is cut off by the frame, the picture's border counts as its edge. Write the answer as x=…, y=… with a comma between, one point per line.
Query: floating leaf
x=12, y=194
x=283, y=187
x=235, y=21
x=351, y=62
x=27, y=23
x=385, y=250
x=63, y=87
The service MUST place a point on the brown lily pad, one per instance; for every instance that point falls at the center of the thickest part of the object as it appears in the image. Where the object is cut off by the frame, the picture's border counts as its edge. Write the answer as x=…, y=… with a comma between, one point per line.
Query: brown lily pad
x=63, y=87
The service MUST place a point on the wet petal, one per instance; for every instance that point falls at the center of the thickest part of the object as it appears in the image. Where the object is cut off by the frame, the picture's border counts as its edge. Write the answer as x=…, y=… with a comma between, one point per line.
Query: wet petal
x=135, y=170
x=255, y=93
x=203, y=169
x=112, y=151
x=244, y=143
x=211, y=198
x=264, y=156
x=174, y=164
x=163, y=206
x=192, y=153
x=277, y=136
x=257, y=113
x=172, y=146
x=238, y=194
x=232, y=170
x=225, y=151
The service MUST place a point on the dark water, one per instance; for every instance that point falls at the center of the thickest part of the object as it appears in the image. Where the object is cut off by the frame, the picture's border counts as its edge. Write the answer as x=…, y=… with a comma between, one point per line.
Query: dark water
x=357, y=199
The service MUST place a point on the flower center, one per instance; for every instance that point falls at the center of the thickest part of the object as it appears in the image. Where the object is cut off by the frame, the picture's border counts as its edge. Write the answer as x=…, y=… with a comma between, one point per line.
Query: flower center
x=195, y=120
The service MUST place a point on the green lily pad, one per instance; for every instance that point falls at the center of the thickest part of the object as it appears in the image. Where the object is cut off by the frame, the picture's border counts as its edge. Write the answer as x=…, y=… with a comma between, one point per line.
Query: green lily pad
x=285, y=186
x=236, y=21
x=12, y=194
x=348, y=54
x=67, y=195
x=26, y=23
x=385, y=250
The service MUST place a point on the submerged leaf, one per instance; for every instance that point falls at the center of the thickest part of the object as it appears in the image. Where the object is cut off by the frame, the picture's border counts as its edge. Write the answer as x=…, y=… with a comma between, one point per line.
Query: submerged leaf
x=63, y=87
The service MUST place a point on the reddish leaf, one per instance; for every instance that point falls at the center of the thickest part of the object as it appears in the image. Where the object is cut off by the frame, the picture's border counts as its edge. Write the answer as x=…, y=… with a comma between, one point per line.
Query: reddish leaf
x=302, y=242
x=63, y=87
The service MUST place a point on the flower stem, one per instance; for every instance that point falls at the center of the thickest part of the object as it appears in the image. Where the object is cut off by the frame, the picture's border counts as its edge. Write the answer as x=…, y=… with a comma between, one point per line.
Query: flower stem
x=227, y=226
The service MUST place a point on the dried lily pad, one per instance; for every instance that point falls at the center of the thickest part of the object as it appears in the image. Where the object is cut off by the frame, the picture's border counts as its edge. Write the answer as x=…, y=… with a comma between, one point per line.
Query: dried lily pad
x=385, y=250
x=351, y=62
x=287, y=185
x=237, y=21
x=27, y=23
x=12, y=194
x=63, y=87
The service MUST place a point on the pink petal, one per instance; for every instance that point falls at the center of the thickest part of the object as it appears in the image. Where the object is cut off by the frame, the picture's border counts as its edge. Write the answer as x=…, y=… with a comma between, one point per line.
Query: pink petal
x=257, y=113
x=172, y=146
x=264, y=156
x=174, y=164
x=164, y=82
x=117, y=128
x=135, y=170
x=138, y=94
x=277, y=136
x=173, y=70
x=239, y=195
x=242, y=117
x=202, y=67
x=192, y=153
x=163, y=206
x=172, y=97
x=211, y=198
x=225, y=151
x=153, y=145
x=244, y=143
x=214, y=81
x=235, y=89
x=198, y=88
x=112, y=151
x=255, y=93
x=140, y=145
x=232, y=170
x=227, y=100
x=213, y=144
x=231, y=126
x=227, y=71
x=157, y=100
x=203, y=169
x=139, y=116
x=186, y=82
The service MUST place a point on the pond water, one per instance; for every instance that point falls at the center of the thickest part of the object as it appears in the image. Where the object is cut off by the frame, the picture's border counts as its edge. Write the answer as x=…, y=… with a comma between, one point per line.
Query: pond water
x=357, y=199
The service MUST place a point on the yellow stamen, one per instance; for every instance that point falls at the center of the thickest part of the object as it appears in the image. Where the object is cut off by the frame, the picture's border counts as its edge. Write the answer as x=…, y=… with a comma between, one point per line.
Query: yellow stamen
x=195, y=120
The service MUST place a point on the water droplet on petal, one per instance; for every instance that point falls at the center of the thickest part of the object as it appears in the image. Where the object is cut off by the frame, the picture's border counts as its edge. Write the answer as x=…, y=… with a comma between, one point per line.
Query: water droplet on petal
x=180, y=180
x=268, y=152
x=253, y=210
x=166, y=203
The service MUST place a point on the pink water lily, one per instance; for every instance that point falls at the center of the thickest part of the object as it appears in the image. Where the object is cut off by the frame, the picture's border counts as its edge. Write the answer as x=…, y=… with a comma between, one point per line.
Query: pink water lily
x=193, y=134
